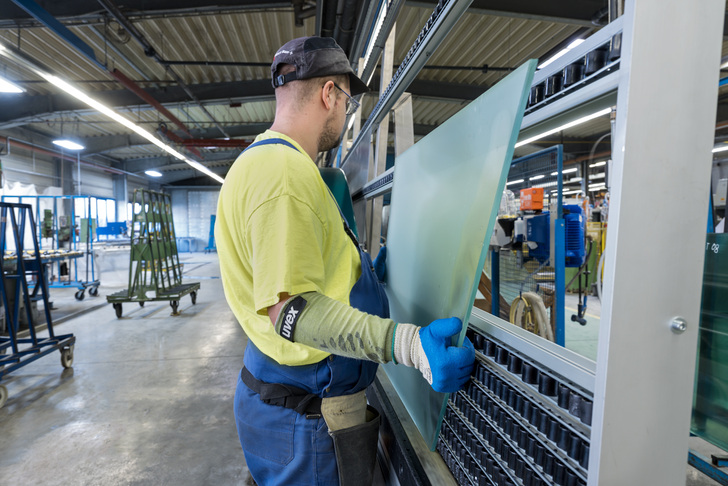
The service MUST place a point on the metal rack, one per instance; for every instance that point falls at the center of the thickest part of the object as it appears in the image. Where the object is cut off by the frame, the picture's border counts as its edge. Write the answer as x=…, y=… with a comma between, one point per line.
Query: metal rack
x=155, y=273
x=69, y=225
x=24, y=265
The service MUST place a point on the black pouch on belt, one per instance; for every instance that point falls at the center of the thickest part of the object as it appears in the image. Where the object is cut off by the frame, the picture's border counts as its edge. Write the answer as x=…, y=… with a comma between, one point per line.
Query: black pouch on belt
x=356, y=450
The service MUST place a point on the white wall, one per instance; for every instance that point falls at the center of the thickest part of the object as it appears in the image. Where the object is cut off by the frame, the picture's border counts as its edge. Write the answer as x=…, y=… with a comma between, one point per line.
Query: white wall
x=191, y=211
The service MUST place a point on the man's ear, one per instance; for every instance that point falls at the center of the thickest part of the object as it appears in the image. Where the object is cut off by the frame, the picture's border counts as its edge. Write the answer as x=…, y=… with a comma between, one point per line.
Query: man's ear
x=328, y=95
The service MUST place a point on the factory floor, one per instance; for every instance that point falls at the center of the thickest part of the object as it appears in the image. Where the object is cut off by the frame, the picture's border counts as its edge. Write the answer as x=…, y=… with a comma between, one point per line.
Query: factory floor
x=147, y=401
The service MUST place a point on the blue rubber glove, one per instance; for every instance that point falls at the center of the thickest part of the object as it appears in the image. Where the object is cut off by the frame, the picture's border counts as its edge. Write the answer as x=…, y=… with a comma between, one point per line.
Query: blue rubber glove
x=380, y=264
x=450, y=366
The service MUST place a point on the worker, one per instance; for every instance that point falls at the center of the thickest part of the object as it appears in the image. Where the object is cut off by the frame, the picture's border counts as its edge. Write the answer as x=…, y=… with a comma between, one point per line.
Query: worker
x=313, y=309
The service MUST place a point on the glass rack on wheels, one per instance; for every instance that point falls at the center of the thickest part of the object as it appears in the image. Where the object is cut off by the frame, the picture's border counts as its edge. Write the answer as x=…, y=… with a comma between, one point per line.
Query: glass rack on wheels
x=155, y=273
x=66, y=231
x=23, y=266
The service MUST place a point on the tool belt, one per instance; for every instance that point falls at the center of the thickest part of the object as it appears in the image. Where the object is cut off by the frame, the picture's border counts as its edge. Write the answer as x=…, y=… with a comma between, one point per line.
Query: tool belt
x=286, y=396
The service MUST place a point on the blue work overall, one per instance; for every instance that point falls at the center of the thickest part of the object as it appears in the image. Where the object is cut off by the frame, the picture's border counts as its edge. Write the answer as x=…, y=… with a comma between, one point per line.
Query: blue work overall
x=282, y=446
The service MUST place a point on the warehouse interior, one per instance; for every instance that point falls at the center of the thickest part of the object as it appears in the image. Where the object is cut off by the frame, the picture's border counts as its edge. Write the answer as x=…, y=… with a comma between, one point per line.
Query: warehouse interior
x=117, y=117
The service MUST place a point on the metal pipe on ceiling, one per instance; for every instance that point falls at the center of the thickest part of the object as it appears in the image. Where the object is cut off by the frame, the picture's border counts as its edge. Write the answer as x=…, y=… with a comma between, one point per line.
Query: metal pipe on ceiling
x=53, y=153
x=149, y=51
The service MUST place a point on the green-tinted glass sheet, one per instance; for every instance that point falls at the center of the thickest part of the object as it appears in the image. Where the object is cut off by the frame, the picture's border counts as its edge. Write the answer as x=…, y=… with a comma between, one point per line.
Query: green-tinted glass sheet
x=710, y=404
x=445, y=198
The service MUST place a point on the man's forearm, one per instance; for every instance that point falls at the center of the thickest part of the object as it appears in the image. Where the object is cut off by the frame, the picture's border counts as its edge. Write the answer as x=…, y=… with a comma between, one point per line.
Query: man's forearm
x=318, y=321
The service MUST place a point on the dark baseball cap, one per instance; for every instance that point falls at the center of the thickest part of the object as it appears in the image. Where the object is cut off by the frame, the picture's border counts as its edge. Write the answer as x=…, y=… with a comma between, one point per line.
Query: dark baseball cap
x=314, y=57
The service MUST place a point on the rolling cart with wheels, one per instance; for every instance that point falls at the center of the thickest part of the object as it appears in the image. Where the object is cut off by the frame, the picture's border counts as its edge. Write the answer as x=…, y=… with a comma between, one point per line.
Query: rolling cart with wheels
x=155, y=273
x=16, y=224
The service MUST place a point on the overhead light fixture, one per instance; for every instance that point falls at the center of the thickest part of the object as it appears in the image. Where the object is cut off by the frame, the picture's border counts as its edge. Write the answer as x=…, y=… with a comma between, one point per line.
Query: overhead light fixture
x=8, y=87
x=597, y=176
x=573, y=179
x=153, y=173
x=561, y=53
x=68, y=144
x=597, y=185
x=375, y=32
x=574, y=123
x=598, y=164
x=547, y=184
x=720, y=148
x=536, y=177
x=517, y=181
x=567, y=193
x=566, y=171
x=83, y=97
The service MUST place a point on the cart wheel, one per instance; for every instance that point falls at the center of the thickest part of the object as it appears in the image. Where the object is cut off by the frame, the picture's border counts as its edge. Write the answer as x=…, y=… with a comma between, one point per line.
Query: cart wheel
x=3, y=395
x=141, y=304
x=67, y=357
x=117, y=308
x=93, y=291
x=193, y=296
x=80, y=295
x=174, y=304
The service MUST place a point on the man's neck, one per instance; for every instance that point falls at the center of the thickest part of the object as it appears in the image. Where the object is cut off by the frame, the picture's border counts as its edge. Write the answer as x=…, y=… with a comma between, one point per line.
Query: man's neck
x=302, y=136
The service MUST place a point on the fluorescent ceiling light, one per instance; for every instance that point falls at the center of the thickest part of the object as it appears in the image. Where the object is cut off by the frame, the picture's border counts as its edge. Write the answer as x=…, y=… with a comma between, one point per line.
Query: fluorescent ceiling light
x=536, y=177
x=598, y=164
x=566, y=171
x=8, y=87
x=574, y=123
x=153, y=173
x=375, y=31
x=573, y=179
x=68, y=144
x=597, y=176
x=517, y=181
x=81, y=96
x=575, y=191
x=561, y=53
x=597, y=185
x=547, y=184
x=720, y=148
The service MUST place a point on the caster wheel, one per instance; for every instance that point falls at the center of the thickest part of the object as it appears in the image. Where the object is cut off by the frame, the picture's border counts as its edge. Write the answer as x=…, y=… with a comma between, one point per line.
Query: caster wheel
x=117, y=308
x=174, y=304
x=80, y=295
x=193, y=296
x=93, y=291
x=3, y=395
x=67, y=357
x=141, y=304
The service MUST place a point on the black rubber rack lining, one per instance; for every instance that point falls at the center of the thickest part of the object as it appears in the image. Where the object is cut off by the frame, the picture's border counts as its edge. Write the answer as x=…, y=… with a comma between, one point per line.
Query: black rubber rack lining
x=516, y=423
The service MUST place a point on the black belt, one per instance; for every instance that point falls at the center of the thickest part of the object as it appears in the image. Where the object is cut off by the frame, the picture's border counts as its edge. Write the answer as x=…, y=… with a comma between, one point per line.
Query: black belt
x=284, y=395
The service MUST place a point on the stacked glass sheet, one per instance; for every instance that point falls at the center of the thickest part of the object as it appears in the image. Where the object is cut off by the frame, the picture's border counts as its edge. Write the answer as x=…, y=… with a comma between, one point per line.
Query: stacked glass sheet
x=710, y=404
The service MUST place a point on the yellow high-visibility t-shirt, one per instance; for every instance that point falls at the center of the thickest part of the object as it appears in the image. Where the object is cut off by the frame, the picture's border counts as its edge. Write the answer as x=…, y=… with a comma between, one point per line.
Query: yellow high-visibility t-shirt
x=278, y=230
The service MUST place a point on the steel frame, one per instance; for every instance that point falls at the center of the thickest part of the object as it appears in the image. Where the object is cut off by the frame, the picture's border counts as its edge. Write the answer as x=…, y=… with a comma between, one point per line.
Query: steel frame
x=18, y=220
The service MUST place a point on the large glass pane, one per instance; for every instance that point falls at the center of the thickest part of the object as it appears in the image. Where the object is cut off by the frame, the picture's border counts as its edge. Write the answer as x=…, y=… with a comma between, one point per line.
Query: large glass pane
x=710, y=406
x=445, y=198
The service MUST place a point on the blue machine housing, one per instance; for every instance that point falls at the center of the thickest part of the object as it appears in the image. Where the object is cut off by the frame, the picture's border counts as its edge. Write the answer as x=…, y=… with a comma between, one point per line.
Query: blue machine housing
x=575, y=223
x=538, y=230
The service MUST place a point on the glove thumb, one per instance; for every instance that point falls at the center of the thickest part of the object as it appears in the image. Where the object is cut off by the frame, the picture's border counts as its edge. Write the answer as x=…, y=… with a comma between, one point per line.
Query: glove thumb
x=445, y=328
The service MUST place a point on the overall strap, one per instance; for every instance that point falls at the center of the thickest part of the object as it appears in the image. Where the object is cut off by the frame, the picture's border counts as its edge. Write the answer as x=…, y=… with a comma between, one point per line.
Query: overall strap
x=272, y=141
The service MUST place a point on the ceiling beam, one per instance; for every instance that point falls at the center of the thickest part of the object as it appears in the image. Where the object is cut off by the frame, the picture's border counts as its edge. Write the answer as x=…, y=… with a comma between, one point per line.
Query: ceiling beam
x=90, y=10
x=108, y=143
x=24, y=108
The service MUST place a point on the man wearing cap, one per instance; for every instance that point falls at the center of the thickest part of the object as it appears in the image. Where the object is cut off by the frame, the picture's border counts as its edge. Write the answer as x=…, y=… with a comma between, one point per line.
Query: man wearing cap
x=306, y=295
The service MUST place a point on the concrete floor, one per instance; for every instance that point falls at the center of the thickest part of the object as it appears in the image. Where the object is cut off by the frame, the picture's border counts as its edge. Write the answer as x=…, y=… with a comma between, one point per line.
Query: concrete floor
x=148, y=401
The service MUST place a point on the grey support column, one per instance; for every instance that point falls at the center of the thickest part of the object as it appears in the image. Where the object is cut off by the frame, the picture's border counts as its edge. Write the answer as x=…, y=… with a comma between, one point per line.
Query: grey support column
x=655, y=245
